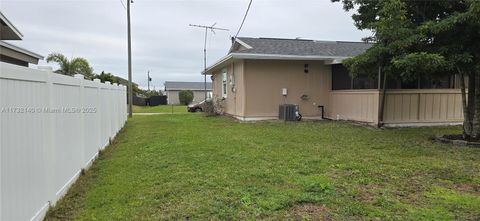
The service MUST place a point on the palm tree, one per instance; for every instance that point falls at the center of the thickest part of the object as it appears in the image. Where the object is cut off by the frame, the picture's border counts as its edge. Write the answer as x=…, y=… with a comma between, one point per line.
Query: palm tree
x=71, y=67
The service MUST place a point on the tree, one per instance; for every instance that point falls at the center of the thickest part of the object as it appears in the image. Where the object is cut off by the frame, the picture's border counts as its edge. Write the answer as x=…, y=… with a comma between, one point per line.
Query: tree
x=151, y=93
x=423, y=39
x=185, y=97
x=456, y=37
x=107, y=77
x=71, y=67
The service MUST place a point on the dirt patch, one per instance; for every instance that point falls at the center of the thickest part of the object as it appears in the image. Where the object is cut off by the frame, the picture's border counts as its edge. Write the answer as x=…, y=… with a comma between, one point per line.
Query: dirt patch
x=456, y=139
x=310, y=211
x=470, y=188
x=365, y=196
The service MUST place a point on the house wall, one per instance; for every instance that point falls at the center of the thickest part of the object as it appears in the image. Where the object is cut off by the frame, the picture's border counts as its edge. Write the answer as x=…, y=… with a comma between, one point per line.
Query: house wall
x=254, y=92
x=234, y=103
x=423, y=106
x=173, y=97
x=355, y=105
x=264, y=80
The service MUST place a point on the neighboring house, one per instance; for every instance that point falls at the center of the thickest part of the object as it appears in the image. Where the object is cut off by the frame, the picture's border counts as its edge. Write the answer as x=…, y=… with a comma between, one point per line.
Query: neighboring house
x=252, y=79
x=172, y=88
x=10, y=53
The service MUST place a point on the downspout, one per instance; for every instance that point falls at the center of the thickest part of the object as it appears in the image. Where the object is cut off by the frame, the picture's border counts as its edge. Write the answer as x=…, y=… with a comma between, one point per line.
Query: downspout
x=244, y=80
x=234, y=88
x=384, y=95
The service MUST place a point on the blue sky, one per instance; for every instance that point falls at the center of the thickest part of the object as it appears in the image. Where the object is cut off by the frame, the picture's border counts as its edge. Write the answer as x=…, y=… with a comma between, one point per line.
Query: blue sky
x=162, y=40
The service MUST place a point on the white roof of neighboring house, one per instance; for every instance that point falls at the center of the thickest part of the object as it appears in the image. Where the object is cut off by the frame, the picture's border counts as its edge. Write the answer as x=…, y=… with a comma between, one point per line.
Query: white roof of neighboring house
x=9, y=31
x=179, y=85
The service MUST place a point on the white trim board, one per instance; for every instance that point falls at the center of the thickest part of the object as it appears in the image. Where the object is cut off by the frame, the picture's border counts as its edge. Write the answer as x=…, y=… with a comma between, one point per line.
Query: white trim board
x=11, y=26
x=253, y=56
x=21, y=50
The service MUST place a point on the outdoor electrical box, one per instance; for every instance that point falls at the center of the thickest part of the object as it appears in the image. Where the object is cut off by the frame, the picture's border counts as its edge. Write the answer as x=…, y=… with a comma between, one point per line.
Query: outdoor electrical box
x=284, y=91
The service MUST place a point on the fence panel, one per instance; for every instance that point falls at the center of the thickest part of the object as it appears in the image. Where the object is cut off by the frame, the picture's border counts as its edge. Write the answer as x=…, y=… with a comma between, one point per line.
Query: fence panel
x=423, y=106
x=51, y=127
x=355, y=105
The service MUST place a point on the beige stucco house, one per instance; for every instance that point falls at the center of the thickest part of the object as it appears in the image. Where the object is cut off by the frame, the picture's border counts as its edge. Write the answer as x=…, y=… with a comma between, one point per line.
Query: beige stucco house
x=172, y=89
x=259, y=74
x=10, y=53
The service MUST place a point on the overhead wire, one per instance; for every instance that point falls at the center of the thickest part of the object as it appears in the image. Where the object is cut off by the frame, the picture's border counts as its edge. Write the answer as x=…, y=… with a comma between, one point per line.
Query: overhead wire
x=243, y=21
x=125, y=7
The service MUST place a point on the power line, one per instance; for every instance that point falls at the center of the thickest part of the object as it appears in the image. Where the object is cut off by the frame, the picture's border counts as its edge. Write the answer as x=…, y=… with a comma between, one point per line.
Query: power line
x=121, y=1
x=243, y=21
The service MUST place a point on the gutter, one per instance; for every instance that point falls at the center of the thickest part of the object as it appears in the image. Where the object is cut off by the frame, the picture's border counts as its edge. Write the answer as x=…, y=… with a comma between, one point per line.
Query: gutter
x=271, y=57
x=21, y=50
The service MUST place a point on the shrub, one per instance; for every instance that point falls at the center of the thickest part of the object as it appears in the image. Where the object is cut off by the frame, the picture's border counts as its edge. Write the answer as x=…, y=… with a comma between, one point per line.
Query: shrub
x=209, y=108
x=219, y=106
x=213, y=107
x=185, y=97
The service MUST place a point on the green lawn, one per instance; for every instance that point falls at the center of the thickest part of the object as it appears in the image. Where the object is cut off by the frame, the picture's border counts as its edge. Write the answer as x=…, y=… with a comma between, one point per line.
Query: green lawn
x=161, y=109
x=188, y=167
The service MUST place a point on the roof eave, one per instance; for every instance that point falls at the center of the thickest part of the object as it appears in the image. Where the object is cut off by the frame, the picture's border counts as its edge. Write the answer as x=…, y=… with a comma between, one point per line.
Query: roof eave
x=286, y=57
x=220, y=62
x=240, y=56
x=21, y=50
x=12, y=27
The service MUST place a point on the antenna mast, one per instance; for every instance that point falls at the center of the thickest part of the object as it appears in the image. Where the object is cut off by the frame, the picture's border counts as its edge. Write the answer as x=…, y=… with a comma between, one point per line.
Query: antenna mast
x=212, y=28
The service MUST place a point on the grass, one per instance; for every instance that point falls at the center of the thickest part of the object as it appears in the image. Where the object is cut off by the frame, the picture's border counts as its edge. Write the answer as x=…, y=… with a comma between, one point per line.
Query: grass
x=194, y=168
x=160, y=109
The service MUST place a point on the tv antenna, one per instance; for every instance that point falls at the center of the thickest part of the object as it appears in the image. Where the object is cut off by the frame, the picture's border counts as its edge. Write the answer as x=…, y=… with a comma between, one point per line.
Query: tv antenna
x=212, y=28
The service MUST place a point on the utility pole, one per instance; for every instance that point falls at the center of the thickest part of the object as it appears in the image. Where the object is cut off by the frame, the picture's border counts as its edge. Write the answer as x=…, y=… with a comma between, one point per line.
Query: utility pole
x=130, y=84
x=211, y=28
x=148, y=80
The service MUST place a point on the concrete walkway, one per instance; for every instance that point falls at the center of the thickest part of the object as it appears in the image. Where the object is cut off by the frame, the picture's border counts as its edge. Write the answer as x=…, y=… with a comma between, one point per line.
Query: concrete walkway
x=148, y=114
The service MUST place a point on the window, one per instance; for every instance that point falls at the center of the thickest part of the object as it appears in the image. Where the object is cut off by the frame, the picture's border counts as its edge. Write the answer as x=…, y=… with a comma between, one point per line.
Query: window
x=444, y=82
x=224, y=83
x=362, y=81
x=341, y=80
x=441, y=82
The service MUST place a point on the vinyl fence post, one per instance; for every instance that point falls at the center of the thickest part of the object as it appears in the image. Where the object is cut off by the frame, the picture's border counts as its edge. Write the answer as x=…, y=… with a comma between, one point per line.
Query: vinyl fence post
x=117, y=109
x=51, y=157
x=81, y=118
x=106, y=102
x=98, y=117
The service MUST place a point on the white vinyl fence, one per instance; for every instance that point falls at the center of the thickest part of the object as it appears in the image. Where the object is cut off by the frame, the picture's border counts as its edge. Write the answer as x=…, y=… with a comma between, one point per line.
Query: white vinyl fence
x=51, y=127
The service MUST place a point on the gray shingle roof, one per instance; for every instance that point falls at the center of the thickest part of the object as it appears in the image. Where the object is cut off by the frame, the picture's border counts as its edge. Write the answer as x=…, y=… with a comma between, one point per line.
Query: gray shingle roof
x=194, y=86
x=300, y=47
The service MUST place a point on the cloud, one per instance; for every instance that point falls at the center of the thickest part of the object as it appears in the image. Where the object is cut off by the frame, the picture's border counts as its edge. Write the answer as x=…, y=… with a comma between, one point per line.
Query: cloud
x=162, y=40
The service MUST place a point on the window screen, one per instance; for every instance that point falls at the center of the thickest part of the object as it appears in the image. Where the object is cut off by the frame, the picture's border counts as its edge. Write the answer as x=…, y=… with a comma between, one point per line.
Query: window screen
x=341, y=80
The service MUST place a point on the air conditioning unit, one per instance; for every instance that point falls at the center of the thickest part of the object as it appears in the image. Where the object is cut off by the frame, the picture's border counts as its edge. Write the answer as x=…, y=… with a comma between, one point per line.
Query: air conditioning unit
x=288, y=112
